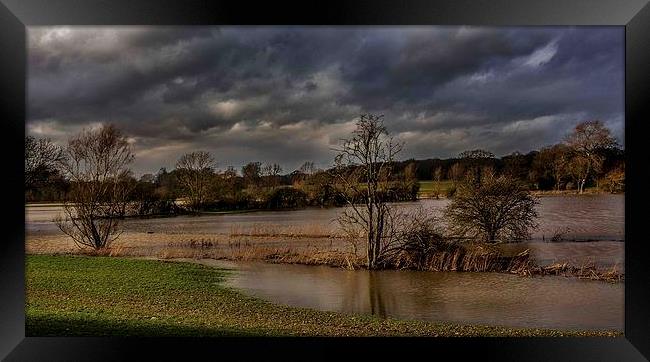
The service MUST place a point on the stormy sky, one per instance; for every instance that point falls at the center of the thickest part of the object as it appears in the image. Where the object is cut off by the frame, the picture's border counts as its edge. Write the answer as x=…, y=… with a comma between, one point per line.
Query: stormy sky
x=289, y=94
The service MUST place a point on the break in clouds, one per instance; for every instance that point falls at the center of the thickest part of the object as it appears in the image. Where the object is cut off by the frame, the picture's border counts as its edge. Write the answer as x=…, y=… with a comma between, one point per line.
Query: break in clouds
x=289, y=94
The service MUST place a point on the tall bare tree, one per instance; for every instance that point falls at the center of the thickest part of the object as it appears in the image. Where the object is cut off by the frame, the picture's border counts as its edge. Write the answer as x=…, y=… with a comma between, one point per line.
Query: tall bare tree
x=42, y=158
x=587, y=141
x=96, y=163
x=195, y=171
x=363, y=171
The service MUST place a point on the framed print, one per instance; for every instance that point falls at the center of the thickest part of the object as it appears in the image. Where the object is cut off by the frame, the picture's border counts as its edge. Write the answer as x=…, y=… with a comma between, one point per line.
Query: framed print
x=212, y=176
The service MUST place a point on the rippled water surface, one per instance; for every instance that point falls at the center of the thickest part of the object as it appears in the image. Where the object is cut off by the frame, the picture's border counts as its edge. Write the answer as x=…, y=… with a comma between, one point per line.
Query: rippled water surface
x=599, y=217
x=597, y=222
x=469, y=298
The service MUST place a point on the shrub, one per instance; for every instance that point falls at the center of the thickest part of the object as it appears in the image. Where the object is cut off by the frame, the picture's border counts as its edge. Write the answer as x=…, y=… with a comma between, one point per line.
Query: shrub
x=286, y=197
x=451, y=191
x=492, y=209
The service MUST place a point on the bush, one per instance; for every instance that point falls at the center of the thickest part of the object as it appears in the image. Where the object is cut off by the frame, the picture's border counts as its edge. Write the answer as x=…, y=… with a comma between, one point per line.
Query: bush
x=286, y=197
x=492, y=209
x=614, y=181
x=451, y=191
x=420, y=239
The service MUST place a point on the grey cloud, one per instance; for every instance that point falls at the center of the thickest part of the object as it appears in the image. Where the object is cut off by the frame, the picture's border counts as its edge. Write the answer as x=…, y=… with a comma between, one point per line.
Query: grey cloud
x=443, y=88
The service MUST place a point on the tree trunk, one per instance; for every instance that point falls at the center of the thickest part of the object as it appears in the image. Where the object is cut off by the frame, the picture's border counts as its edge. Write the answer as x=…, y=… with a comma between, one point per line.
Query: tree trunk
x=95, y=234
x=581, y=186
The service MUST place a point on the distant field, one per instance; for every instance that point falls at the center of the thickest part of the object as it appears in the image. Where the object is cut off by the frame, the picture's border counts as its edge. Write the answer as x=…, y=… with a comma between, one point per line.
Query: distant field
x=428, y=188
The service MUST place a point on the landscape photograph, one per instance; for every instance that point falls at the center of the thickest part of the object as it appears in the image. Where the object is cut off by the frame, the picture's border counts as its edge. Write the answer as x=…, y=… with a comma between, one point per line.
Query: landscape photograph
x=263, y=181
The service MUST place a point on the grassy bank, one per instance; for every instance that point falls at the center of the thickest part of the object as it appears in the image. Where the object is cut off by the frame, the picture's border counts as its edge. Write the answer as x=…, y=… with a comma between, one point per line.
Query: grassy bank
x=77, y=296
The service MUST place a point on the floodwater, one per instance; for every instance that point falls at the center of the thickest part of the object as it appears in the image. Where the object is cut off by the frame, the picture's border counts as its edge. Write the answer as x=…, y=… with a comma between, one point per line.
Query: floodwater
x=579, y=218
x=466, y=298
x=592, y=227
x=597, y=222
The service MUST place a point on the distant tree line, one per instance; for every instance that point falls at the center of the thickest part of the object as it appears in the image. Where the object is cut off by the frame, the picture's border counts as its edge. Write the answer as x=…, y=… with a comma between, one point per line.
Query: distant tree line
x=588, y=157
x=92, y=178
x=195, y=183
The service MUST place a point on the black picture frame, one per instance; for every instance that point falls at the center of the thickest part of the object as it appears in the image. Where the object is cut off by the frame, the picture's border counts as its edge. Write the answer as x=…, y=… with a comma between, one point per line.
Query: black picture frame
x=15, y=15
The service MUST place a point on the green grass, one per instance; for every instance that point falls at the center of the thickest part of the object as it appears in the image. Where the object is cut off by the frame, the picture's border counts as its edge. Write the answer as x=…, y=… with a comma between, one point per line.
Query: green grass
x=104, y=296
x=427, y=188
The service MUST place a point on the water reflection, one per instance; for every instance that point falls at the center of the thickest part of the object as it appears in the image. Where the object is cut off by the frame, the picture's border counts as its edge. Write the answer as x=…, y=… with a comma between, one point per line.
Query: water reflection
x=470, y=298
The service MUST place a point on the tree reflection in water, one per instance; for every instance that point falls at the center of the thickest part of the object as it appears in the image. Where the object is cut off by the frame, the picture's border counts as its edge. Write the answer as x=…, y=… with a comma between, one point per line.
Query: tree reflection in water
x=364, y=291
x=375, y=296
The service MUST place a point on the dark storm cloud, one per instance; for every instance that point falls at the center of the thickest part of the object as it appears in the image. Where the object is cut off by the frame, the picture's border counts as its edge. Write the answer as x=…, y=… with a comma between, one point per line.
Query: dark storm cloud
x=288, y=94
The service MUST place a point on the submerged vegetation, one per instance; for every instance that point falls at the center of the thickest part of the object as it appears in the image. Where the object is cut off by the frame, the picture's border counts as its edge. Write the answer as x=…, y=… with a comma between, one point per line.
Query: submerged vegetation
x=81, y=296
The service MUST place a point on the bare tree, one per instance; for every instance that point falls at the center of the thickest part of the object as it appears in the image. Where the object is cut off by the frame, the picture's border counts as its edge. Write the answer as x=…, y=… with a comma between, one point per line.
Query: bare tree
x=307, y=168
x=437, y=179
x=251, y=173
x=364, y=166
x=553, y=161
x=96, y=162
x=587, y=142
x=477, y=163
x=42, y=158
x=476, y=154
x=457, y=172
x=495, y=209
x=195, y=171
x=579, y=168
x=272, y=172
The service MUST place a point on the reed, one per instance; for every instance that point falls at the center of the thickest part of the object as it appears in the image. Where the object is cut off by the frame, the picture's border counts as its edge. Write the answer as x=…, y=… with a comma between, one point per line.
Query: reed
x=285, y=231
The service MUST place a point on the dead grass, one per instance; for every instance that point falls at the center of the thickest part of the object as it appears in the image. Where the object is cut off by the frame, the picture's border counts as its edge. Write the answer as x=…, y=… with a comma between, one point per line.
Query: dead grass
x=588, y=271
x=317, y=249
x=284, y=231
x=463, y=257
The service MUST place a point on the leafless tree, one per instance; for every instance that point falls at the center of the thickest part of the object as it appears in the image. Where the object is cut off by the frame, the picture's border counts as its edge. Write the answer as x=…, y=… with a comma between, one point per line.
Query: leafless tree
x=362, y=172
x=42, y=158
x=556, y=159
x=476, y=154
x=437, y=179
x=457, y=172
x=96, y=163
x=587, y=141
x=495, y=209
x=272, y=172
x=251, y=173
x=307, y=168
x=195, y=171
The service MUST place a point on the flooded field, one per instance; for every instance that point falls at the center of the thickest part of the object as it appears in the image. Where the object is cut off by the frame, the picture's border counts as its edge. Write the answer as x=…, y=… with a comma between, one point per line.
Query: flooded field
x=592, y=228
x=598, y=222
x=468, y=298
x=579, y=218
